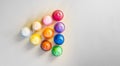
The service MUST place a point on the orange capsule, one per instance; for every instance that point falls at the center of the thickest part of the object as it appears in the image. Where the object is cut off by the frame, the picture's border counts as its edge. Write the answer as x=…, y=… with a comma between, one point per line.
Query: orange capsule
x=48, y=33
x=46, y=45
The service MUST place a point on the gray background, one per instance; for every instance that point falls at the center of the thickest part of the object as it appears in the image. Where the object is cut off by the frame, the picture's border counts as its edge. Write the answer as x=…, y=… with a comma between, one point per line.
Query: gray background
x=92, y=33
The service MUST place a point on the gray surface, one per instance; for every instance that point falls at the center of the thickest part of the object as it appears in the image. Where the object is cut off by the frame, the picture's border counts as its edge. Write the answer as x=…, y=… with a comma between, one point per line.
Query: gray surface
x=92, y=33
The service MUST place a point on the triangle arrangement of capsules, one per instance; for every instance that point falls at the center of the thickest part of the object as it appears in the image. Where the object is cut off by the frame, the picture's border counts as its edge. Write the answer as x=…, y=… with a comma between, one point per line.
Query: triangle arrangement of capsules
x=48, y=33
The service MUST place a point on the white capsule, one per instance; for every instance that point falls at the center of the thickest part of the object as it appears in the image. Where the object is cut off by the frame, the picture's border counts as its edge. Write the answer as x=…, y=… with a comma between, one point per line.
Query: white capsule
x=25, y=32
x=36, y=26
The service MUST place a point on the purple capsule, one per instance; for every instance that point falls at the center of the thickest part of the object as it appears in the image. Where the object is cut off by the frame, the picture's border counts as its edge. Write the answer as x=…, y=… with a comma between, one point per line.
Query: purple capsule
x=59, y=27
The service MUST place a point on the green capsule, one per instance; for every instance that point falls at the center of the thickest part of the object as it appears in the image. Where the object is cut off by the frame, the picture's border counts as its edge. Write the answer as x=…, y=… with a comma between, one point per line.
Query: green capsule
x=57, y=50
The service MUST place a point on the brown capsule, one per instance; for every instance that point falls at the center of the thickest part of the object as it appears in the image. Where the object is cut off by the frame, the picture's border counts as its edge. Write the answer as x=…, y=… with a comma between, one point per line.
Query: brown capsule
x=46, y=45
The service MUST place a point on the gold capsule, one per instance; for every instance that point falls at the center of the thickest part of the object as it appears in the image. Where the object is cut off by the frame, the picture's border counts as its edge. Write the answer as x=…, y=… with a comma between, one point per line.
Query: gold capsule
x=35, y=39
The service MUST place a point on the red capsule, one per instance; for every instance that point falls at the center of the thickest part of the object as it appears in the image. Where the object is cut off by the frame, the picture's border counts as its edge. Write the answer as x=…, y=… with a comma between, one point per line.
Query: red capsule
x=57, y=15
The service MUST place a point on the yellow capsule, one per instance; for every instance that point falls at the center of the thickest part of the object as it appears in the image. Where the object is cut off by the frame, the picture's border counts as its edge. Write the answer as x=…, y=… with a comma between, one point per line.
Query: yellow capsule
x=35, y=39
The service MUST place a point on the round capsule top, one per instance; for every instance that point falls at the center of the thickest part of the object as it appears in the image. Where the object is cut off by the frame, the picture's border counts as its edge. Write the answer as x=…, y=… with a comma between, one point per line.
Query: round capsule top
x=47, y=20
x=36, y=26
x=59, y=27
x=59, y=39
x=48, y=33
x=46, y=45
x=57, y=50
x=35, y=39
x=57, y=15
x=25, y=32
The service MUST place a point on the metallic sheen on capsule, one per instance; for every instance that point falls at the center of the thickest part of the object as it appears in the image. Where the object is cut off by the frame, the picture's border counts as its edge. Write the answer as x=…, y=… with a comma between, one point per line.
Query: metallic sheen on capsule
x=36, y=26
x=59, y=39
x=57, y=15
x=47, y=20
x=35, y=39
x=25, y=32
x=57, y=50
x=46, y=45
x=59, y=27
x=48, y=33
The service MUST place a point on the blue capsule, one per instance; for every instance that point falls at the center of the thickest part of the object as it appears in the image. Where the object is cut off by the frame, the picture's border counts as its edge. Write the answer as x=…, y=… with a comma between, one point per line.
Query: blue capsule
x=59, y=39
